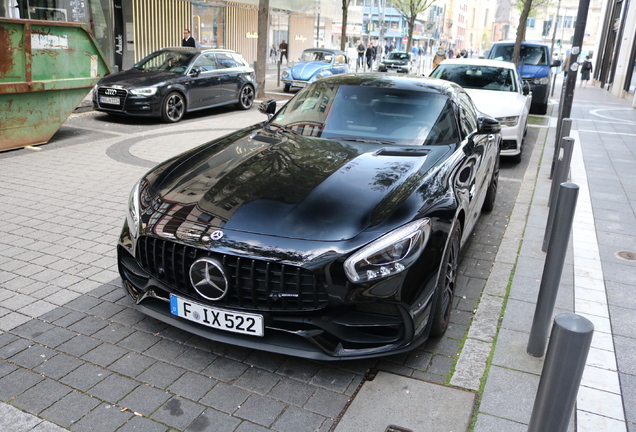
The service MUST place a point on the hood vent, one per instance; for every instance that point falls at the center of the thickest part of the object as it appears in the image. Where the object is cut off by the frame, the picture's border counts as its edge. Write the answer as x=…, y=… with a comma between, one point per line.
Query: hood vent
x=266, y=139
x=403, y=152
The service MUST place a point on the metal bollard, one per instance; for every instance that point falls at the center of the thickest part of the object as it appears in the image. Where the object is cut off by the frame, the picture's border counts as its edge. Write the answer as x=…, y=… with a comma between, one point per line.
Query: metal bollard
x=553, y=268
x=278, y=74
x=562, y=131
x=560, y=176
x=570, y=342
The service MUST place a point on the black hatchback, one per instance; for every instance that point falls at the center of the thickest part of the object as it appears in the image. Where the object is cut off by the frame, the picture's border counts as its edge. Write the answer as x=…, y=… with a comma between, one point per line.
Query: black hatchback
x=172, y=81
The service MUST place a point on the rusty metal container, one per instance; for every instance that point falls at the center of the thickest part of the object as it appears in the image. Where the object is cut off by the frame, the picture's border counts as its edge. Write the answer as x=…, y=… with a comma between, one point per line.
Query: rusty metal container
x=46, y=69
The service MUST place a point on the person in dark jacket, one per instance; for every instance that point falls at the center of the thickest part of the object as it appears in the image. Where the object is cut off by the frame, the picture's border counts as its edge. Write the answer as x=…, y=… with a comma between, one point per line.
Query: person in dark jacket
x=370, y=55
x=187, y=40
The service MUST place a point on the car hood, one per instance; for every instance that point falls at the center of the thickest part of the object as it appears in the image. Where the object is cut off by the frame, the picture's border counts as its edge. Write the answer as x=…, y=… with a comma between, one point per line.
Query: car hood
x=498, y=103
x=287, y=186
x=136, y=78
x=305, y=70
x=533, y=71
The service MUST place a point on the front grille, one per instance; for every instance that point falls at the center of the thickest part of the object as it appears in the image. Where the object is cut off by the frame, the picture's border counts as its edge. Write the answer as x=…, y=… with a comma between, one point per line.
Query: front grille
x=254, y=284
x=107, y=92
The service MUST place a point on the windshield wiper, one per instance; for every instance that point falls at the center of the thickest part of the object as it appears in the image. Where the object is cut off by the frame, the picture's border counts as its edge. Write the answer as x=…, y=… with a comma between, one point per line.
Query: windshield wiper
x=284, y=128
x=376, y=141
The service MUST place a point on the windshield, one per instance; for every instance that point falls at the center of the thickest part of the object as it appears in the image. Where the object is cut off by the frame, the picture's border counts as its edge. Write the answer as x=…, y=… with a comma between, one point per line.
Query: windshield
x=477, y=77
x=365, y=113
x=536, y=55
x=398, y=56
x=316, y=56
x=165, y=61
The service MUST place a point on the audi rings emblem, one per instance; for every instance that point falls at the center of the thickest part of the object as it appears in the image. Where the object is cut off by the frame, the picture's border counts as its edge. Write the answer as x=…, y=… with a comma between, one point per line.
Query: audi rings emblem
x=208, y=278
x=216, y=235
x=111, y=92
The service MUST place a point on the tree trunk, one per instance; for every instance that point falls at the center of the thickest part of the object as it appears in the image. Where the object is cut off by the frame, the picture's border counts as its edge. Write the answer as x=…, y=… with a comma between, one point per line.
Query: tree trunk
x=521, y=31
x=345, y=10
x=409, y=44
x=262, y=46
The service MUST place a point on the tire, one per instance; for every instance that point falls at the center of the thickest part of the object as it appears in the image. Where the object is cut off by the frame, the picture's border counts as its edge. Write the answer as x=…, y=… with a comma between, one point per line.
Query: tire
x=246, y=98
x=491, y=193
x=173, y=108
x=286, y=88
x=446, y=285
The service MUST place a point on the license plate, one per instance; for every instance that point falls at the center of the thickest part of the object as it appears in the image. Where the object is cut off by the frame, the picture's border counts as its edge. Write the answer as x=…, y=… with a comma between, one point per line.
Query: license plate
x=109, y=100
x=391, y=70
x=300, y=84
x=221, y=319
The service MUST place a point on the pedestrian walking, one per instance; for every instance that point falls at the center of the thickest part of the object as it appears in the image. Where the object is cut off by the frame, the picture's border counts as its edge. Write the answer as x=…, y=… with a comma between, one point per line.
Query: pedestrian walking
x=361, y=49
x=283, y=51
x=565, y=66
x=273, y=53
x=370, y=55
x=439, y=57
x=586, y=70
x=462, y=54
x=188, y=41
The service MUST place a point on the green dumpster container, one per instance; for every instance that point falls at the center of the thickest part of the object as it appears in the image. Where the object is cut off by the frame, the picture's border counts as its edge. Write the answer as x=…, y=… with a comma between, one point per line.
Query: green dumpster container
x=46, y=69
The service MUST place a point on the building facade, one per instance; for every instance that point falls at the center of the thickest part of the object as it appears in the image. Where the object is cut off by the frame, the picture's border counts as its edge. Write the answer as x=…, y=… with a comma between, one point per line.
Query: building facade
x=127, y=31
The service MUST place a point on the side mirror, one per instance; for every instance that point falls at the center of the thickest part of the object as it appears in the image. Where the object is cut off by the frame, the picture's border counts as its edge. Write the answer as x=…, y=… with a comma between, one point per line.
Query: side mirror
x=556, y=63
x=268, y=107
x=526, y=88
x=195, y=71
x=488, y=125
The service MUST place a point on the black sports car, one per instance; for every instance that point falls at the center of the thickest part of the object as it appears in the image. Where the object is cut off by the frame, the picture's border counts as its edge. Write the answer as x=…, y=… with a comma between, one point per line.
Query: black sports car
x=172, y=81
x=333, y=230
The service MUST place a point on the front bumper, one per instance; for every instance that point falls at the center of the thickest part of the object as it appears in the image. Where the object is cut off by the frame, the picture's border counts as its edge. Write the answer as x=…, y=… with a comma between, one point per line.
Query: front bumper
x=295, y=83
x=327, y=327
x=511, y=140
x=128, y=104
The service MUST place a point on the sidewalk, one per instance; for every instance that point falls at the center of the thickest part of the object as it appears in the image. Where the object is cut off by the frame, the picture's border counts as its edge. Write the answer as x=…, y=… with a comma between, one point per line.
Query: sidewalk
x=596, y=283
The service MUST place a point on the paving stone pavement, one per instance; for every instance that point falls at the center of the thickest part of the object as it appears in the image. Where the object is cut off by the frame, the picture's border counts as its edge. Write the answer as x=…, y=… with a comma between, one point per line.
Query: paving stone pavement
x=76, y=356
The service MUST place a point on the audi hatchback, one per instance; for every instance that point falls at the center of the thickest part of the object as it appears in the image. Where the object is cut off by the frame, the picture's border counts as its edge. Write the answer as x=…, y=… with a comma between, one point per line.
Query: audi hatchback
x=172, y=81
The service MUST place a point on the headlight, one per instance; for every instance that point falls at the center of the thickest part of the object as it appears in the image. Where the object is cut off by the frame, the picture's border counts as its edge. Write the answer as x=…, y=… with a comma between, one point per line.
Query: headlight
x=144, y=91
x=138, y=202
x=541, y=81
x=508, y=121
x=390, y=254
x=285, y=74
x=134, y=210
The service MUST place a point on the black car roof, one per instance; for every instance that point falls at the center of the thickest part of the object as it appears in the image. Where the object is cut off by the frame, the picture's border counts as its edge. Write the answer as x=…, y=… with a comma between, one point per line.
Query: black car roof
x=414, y=83
x=198, y=50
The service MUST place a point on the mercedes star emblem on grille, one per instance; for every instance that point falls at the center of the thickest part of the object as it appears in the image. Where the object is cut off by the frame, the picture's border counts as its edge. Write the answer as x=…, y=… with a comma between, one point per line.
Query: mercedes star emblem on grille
x=208, y=278
x=216, y=235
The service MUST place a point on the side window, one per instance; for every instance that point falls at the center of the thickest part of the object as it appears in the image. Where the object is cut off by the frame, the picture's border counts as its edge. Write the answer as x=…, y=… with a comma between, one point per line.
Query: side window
x=206, y=63
x=225, y=61
x=445, y=129
x=468, y=115
x=240, y=61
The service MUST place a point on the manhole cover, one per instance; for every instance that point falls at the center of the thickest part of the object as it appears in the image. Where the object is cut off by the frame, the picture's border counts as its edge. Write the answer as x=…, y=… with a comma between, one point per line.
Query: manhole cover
x=627, y=256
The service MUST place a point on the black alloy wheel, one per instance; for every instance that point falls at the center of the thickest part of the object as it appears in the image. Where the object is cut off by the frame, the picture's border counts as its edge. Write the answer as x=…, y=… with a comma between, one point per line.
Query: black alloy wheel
x=173, y=108
x=446, y=284
x=246, y=97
